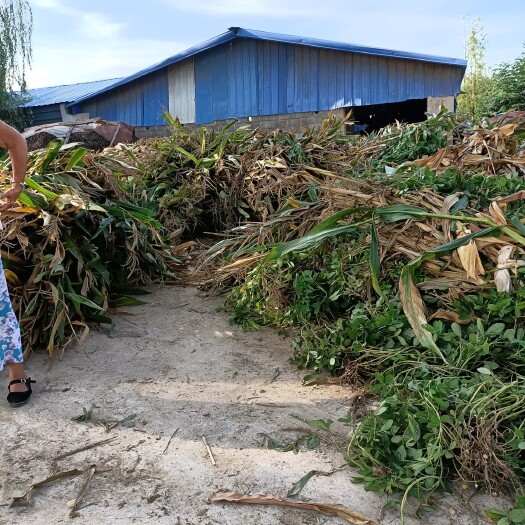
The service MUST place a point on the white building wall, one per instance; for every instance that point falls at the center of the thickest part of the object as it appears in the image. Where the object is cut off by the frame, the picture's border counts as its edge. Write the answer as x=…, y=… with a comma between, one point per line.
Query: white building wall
x=181, y=86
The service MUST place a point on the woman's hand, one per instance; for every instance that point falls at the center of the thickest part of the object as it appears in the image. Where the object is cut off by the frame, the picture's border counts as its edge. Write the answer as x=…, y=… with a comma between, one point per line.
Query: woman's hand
x=10, y=196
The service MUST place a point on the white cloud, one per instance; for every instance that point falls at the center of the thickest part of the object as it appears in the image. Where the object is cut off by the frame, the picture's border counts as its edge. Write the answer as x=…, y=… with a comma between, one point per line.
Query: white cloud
x=57, y=64
x=47, y=4
x=95, y=25
x=91, y=24
x=255, y=8
x=91, y=47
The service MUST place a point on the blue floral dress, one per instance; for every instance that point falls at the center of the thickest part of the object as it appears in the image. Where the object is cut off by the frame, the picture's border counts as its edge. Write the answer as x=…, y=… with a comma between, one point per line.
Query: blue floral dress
x=10, y=341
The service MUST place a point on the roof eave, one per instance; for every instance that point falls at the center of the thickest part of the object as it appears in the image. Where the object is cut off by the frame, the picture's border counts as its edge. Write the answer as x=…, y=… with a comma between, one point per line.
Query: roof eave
x=188, y=53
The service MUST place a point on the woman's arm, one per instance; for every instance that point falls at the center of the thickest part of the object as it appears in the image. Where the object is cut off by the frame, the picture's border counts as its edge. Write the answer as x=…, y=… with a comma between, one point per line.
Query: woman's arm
x=16, y=145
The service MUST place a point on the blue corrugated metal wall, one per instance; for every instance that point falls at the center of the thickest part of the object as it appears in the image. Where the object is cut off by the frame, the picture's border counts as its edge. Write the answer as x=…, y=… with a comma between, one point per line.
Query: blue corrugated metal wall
x=140, y=103
x=45, y=114
x=250, y=78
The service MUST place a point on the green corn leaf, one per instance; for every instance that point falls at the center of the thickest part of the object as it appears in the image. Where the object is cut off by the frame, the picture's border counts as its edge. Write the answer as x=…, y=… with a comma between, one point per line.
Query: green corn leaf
x=410, y=296
x=514, y=235
x=104, y=226
x=332, y=221
x=101, y=270
x=455, y=244
x=517, y=224
x=461, y=204
x=67, y=180
x=51, y=154
x=147, y=212
x=37, y=187
x=229, y=125
x=80, y=299
x=187, y=154
x=76, y=158
x=375, y=261
x=401, y=212
x=301, y=483
x=73, y=248
x=309, y=241
x=33, y=200
x=125, y=301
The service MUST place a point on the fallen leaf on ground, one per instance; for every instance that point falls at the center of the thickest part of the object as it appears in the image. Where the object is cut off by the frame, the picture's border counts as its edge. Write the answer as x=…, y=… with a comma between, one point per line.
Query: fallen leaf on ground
x=301, y=483
x=23, y=501
x=330, y=509
x=449, y=315
x=90, y=472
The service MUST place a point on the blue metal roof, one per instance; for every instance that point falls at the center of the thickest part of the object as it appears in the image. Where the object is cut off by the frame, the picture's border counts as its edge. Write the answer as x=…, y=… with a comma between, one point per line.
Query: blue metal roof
x=59, y=94
x=341, y=46
x=240, y=33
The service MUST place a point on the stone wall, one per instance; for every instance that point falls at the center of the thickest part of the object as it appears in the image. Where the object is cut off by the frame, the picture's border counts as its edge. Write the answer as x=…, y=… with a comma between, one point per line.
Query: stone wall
x=294, y=122
x=148, y=132
x=434, y=104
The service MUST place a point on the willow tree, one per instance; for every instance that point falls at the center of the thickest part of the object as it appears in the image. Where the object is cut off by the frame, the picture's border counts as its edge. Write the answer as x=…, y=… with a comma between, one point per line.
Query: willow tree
x=16, y=24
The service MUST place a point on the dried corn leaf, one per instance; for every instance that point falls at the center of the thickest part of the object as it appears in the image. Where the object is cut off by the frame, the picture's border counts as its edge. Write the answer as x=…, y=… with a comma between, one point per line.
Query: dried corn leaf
x=471, y=262
x=329, y=509
x=519, y=195
x=502, y=275
x=413, y=305
x=414, y=308
x=497, y=213
x=448, y=204
x=449, y=315
x=23, y=501
x=243, y=263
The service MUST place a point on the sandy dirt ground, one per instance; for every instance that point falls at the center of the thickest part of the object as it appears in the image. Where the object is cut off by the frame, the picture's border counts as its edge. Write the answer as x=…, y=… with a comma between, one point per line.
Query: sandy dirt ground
x=179, y=371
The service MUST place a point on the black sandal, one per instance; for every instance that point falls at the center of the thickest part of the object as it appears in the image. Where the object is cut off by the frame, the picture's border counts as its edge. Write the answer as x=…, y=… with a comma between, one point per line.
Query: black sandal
x=17, y=399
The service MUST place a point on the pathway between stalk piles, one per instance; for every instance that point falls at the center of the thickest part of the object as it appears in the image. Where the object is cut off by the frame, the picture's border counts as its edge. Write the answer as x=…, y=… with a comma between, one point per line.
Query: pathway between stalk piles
x=176, y=363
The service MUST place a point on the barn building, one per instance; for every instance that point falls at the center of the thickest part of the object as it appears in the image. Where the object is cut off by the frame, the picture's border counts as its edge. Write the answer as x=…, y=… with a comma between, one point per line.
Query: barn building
x=274, y=80
x=48, y=104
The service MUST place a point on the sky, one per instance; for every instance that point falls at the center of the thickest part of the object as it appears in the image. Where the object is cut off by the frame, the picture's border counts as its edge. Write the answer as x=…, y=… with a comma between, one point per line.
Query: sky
x=84, y=40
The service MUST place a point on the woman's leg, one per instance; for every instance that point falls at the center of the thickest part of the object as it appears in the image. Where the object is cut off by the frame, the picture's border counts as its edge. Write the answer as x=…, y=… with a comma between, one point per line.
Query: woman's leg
x=11, y=353
x=17, y=371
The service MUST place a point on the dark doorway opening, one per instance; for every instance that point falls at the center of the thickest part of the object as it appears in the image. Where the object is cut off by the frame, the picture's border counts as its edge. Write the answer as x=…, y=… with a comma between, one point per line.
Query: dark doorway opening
x=372, y=118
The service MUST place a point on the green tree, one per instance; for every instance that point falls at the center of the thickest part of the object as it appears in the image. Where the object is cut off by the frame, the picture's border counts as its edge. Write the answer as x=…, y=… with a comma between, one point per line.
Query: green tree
x=508, y=90
x=474, y=102
x=16, y=24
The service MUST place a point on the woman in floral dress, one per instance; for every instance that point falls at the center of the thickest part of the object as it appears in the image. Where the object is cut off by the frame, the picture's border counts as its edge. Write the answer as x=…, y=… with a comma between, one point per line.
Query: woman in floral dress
x=11, y=354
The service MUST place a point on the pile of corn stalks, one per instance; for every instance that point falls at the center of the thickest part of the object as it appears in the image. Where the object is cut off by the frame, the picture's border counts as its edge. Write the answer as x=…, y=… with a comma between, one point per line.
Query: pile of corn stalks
x=463, y=249
x=214, y=180
x=495, y=151
x=483, y=250
x=272, y=188
x=76, y=237
x=64, y=246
